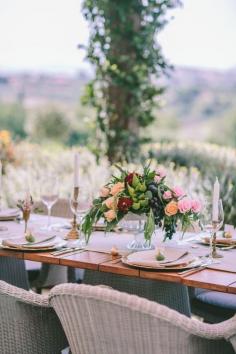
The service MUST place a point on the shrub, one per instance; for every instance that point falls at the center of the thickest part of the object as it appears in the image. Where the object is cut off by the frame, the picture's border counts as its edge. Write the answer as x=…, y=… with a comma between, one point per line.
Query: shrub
x=13, y=119
x=51, y=124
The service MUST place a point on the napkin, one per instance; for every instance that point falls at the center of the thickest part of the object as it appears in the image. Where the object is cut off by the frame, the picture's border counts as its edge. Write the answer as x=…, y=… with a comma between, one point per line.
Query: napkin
x=20, y=242
x=172, y=256
x=6, y=213
x=222, y=241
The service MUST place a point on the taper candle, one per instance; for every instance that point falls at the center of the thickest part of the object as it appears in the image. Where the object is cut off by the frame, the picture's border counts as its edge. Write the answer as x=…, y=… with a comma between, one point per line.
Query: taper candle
x=215, y=200
x=76, y=170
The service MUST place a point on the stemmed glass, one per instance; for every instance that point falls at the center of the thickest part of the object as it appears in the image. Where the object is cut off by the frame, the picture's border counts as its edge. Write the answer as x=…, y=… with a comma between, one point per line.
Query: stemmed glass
x=212, y=226
x=49, y=195
x=81, y=206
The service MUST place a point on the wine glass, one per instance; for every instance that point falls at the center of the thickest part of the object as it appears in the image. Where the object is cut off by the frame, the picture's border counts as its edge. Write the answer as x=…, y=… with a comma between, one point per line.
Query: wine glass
x=49, y=195
x=211, y=226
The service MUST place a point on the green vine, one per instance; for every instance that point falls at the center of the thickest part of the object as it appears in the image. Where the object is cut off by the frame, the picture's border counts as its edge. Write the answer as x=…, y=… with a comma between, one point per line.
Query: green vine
x=128, y=60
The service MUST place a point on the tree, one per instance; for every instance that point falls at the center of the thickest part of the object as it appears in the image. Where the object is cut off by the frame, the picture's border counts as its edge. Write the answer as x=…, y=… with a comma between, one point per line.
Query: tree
x=127, y=59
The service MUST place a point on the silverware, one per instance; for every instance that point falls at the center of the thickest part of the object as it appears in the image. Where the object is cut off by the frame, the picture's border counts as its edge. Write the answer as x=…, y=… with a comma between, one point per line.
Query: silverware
x=64, y=250
x=194, y=270
x=72, y=252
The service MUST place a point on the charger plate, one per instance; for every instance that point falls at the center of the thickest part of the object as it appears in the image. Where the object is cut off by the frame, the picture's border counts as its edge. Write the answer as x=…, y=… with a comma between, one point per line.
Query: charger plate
x=194, y=264
x=147, y=260
x=32, y=249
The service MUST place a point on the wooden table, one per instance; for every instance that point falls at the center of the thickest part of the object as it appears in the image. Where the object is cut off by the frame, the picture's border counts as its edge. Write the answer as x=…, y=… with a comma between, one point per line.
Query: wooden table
x=207, y=278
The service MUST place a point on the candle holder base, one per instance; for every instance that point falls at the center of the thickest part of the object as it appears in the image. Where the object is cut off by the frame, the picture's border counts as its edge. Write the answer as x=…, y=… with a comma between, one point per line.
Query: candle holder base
x=73, y=234
x=215, y=254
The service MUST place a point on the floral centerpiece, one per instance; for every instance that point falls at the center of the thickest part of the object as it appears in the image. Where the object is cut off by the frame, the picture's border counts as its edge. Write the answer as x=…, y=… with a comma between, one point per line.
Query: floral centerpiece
x=146, y=193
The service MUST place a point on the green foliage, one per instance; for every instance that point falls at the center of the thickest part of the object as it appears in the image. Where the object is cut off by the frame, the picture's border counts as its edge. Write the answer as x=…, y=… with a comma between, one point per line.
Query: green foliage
x=126, y=56
x=51, y=125
x=211, y=161
x=13, y=118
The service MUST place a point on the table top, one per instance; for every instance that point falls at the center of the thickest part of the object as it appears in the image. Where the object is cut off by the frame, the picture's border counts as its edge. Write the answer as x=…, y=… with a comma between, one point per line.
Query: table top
x=213, y=279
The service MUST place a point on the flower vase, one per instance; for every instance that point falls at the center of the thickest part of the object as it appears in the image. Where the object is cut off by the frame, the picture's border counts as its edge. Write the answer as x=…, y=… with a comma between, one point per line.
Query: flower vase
x=134, y=224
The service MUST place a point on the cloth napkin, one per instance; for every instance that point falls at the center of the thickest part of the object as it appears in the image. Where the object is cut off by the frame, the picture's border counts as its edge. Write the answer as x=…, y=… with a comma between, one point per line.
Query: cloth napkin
x=20, y=242
x=174, y=257
x=222, y=240
x=6, y=213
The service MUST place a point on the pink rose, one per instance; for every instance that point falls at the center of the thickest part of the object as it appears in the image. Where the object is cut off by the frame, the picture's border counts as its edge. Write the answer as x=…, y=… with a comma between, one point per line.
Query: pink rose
x=110, y=215
x=110, y=203
x=178, y=192
x=117, y=188
x=196, y=206
x=160, y=171
x=157, y=179
x=184, y=205
x=104, y=192
x=167, y=195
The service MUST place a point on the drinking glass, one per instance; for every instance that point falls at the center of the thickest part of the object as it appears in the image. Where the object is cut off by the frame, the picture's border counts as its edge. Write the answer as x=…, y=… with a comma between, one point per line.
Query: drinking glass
x=134, y=224
x=211, y=226
x=81, y=206
x=49, y=195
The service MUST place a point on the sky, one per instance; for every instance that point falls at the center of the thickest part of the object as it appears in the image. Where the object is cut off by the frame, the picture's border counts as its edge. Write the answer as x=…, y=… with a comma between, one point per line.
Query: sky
x=42, y=35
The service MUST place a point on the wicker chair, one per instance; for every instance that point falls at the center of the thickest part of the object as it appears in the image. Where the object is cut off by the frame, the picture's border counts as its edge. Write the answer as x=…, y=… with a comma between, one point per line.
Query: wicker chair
x=13, y=271
x=28, y=324
x=99, y=320
x=170, y=294
x=51, y=275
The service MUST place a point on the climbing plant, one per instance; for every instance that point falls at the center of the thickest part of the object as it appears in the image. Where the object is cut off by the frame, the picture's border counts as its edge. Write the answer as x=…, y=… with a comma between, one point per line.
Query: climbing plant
x=128, y=60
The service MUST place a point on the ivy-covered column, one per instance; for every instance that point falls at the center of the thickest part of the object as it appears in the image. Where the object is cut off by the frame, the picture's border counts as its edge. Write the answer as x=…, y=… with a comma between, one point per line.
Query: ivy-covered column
x=124, y=50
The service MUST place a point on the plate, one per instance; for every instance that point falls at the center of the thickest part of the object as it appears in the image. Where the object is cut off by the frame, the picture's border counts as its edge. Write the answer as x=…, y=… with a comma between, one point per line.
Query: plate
x=49, y=248
x=195, y=263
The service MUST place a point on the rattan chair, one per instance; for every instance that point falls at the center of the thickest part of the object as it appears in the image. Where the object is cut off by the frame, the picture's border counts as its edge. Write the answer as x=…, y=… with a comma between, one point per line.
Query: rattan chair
x=28, y=324
x=13, y=271
x=170, y=294
x=98, y=320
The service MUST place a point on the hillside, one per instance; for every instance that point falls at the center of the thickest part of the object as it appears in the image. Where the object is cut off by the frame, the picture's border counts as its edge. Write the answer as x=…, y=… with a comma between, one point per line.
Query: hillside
x=195, y=101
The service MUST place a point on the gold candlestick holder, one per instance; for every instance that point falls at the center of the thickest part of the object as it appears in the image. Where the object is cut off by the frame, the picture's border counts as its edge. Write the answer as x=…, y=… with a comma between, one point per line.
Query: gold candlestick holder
x=26, y=216
x=73, y=234
x=215, y=254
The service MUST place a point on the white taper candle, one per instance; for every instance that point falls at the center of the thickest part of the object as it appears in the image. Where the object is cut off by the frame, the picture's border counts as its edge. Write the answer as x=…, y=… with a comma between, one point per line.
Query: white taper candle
x=215, y=200
x=76, y=170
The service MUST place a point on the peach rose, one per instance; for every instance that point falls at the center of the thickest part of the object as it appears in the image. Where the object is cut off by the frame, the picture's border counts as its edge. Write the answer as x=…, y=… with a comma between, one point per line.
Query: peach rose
x=110, y=203
x=171, y=208
x=184, y=205
x=117, y=188
x=104, y=192
x=110, y=215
